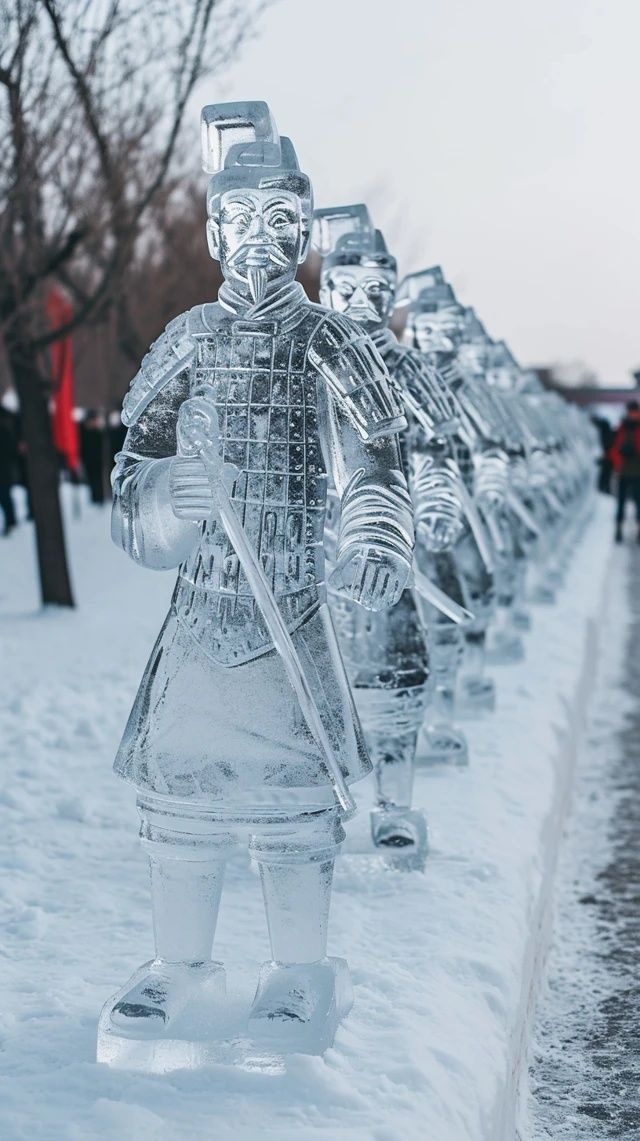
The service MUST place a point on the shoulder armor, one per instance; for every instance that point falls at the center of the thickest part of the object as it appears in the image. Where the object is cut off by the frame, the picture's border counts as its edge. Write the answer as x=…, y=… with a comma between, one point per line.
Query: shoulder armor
x=425, y=388
x=203, y=319
x=169, y=355
x=356, y=375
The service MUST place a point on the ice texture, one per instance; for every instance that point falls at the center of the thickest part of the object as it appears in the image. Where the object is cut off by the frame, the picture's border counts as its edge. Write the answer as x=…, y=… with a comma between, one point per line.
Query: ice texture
x=244, y=730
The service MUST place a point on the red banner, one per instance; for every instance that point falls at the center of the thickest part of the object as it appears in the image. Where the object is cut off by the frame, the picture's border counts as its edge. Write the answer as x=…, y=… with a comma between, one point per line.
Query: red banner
x=65, y=429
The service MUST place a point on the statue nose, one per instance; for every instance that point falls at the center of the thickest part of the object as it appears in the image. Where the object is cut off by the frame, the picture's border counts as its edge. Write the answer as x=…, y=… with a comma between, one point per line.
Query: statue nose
x=359, y=296
x=256, y=229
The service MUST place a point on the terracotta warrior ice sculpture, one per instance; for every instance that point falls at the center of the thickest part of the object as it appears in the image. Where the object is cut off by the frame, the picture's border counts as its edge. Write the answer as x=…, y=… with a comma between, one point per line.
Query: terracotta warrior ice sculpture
x=433, y=332
x=386, y=653
x=244, y=726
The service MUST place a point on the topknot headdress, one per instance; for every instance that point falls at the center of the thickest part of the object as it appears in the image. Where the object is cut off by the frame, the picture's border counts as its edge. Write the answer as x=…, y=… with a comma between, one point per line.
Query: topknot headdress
x=241, y=149
x=426, y=291
x=474, y=330
x=345, y=235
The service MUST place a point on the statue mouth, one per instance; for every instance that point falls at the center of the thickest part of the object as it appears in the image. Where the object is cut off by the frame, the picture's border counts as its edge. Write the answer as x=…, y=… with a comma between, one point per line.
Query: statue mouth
x=259, y=255
x=363, y=313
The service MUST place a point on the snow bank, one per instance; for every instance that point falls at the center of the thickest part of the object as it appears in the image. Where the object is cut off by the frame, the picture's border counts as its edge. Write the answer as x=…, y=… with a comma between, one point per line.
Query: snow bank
x=444, y=963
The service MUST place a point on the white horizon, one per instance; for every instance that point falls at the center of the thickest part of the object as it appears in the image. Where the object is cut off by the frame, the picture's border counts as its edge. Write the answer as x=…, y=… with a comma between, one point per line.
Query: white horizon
x=495, y=139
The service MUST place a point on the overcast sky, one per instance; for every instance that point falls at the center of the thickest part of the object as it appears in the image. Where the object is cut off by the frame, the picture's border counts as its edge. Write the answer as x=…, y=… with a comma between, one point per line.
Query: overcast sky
x=500, y=138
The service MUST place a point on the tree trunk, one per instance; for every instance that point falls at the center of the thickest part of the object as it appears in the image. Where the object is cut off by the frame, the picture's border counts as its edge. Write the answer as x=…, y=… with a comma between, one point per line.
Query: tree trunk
x=43, y=472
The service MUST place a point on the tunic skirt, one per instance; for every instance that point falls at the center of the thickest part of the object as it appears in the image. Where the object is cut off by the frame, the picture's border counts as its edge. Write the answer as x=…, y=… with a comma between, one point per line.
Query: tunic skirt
x=236, y=734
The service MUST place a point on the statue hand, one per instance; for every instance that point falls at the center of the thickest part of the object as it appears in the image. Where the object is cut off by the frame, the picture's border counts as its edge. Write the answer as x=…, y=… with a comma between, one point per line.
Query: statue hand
x=438, y=534
x=190, y=489
x=372, y=577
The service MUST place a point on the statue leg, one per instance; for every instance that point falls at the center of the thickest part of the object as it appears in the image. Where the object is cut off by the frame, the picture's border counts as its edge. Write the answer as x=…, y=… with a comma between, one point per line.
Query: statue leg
x=504, y=643
x=441, y=741
x=521, y=616
x=302, y=995
x=477, y=691
x=392, y=720
x=169, y=1002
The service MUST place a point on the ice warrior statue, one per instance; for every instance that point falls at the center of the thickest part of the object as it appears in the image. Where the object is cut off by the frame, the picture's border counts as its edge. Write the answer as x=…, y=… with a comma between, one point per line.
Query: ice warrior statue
x=244, y=726
x=386, y=654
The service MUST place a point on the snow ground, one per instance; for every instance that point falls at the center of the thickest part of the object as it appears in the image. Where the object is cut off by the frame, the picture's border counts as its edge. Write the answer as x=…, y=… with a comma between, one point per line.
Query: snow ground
x=585, y=1063
x=441, y=961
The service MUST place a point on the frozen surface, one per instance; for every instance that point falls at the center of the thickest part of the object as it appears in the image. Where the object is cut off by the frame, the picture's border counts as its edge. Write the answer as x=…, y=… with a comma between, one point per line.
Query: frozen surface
x=437, y=958
x=584, y=1079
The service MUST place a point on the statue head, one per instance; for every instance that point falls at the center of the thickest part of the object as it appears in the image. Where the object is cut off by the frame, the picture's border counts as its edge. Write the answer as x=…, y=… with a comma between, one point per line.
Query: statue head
x=474, y=351
x=503, y=370
x=435, y=319
x=359, y=275
x=259, y=204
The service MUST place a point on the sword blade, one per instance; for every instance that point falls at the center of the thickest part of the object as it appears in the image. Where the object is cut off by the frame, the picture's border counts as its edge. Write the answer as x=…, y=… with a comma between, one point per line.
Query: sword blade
x=278, y=631
x=446, y=605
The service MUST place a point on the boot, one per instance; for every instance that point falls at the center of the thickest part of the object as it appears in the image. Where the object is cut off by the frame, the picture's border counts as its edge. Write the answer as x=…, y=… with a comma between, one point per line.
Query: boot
x=299, y=1006
x=302, y=995
x=166, y=1015
x=397, y=829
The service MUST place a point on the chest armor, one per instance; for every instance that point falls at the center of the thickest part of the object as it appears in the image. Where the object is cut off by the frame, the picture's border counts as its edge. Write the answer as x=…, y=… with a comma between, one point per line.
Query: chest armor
x=266, y=395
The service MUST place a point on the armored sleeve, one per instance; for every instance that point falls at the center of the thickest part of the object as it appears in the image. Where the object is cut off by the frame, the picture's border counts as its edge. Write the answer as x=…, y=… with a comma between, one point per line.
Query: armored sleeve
x=142, y=521
x=356, y=377
x=363, y=416
x=430, y=402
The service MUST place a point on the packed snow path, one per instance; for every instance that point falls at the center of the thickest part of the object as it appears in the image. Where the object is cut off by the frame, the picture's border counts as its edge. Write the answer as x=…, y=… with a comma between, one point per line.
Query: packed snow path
x=586, y=1077
x=442, y=961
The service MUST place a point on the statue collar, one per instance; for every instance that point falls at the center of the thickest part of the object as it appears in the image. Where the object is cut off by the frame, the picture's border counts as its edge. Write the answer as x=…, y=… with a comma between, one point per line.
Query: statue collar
x=276, y=306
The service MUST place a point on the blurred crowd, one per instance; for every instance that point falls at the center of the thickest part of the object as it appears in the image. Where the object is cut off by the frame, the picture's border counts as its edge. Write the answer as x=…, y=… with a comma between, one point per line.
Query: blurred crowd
x=619, y=463
x=101, y=436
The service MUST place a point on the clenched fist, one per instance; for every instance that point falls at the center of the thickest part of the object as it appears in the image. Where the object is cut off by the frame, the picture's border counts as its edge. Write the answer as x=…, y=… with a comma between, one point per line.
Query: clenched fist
x=371, y=577
x=190, y=489
x=439, y=533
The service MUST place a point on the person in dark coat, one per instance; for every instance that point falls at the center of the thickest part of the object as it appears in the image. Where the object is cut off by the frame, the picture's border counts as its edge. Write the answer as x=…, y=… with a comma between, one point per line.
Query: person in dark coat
x=606, y=433
x=93, y=446
x=8, y=459
x=625, y=457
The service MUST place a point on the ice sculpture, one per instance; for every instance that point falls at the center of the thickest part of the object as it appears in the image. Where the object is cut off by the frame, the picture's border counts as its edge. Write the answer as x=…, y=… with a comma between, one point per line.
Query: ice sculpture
x=435, y=325
x=557, y=478
x=386, y=655
x=244, y=726
x=502, y=500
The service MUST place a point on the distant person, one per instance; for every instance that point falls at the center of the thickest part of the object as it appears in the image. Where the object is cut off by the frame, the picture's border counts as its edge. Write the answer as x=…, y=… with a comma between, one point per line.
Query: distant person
x=625, y=457
x=8, y=462
x=93, y=447
x=606, y=433
x=117, y=433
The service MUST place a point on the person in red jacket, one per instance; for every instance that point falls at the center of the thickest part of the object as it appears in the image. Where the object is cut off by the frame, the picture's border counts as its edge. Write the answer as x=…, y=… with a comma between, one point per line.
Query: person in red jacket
x=625, y=457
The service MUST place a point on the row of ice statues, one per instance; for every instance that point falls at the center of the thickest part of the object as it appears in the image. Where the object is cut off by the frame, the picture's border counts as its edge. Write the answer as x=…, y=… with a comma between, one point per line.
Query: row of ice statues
x=358, y=523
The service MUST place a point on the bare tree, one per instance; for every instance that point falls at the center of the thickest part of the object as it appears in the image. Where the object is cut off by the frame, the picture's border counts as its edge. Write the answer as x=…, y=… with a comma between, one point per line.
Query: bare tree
x=95, y=93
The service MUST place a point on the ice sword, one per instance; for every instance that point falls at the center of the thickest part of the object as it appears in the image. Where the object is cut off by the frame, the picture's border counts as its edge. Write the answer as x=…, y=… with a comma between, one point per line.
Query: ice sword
x=199, y=429
x=443, y=602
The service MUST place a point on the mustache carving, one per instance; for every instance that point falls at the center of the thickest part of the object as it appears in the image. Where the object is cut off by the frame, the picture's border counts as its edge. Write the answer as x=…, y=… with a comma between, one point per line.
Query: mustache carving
x=251, y=259
x=260, y=249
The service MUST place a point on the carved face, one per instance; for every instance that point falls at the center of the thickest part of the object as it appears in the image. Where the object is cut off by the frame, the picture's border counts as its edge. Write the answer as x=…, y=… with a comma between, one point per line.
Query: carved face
x=473, y=358
x=257, y=237
x=503, y=376
x=363, y=293
x=439, y=332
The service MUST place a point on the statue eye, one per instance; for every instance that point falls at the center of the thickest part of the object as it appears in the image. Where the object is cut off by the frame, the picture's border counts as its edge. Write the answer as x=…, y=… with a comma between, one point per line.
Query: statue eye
x=279, y=219
x=374, y=288
x=236, y=216
x=345, y=289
